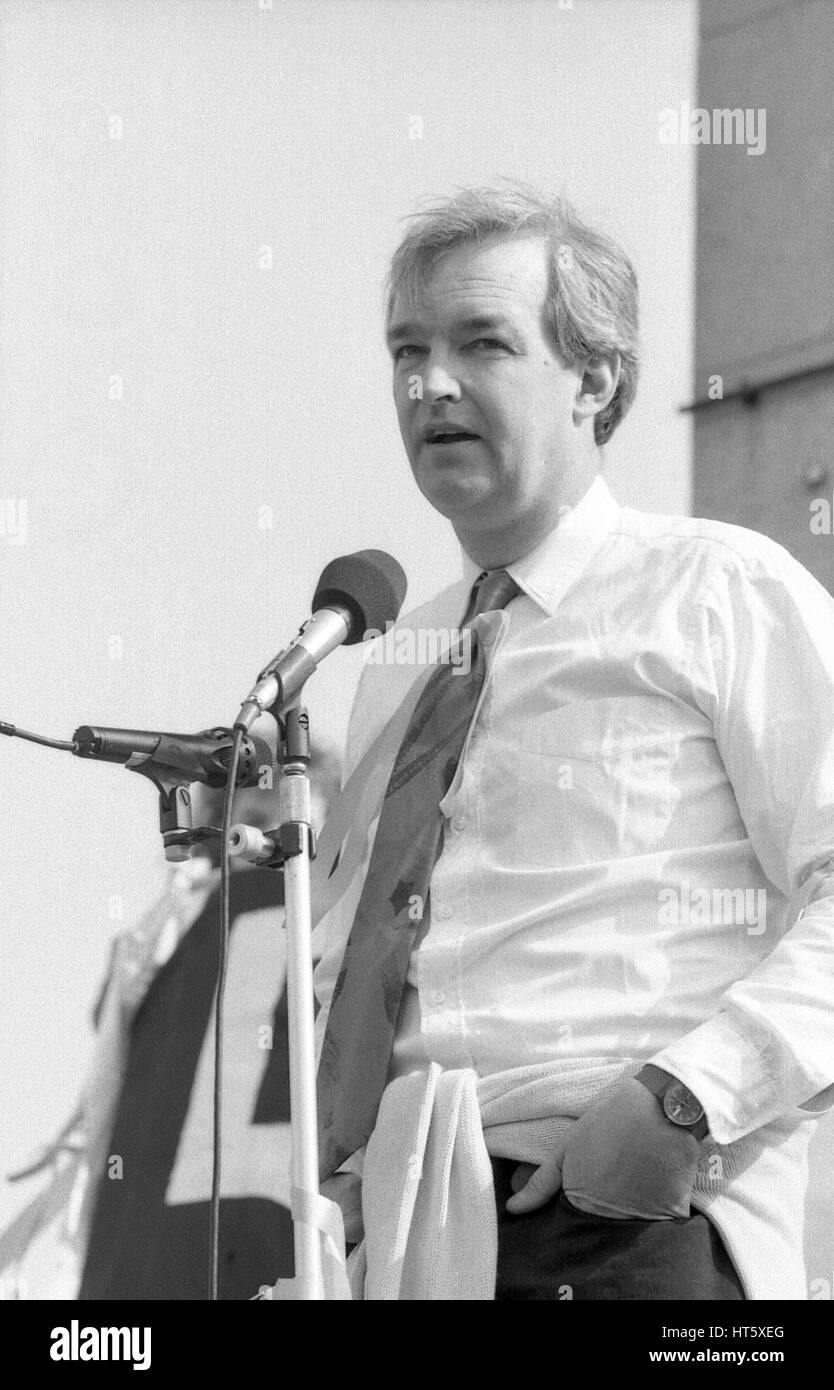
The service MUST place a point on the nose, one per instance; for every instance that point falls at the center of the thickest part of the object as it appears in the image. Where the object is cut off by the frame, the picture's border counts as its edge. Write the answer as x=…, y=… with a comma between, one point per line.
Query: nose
x=439, y=381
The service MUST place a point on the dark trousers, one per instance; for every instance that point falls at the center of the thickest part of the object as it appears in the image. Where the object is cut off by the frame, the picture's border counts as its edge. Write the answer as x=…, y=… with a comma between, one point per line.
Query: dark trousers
x=559, y=1252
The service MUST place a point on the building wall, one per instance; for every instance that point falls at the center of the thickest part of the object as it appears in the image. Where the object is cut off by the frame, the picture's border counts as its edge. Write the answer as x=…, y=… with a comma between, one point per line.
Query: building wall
x=764, y=285
x=765, y=310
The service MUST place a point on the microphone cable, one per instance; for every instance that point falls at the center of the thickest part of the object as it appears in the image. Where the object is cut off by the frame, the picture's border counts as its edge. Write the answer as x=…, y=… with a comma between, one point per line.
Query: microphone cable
x=14, y=732
x=222, y=967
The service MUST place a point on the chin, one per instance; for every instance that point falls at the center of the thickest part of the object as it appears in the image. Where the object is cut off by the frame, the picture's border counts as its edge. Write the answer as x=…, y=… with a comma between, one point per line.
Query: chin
x=450, y=490
x=453, y=502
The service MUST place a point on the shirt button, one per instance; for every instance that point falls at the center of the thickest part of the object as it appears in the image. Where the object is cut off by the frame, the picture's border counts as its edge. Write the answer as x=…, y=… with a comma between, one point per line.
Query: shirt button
x=459, y=823
x=444, y=912
x=437, y=996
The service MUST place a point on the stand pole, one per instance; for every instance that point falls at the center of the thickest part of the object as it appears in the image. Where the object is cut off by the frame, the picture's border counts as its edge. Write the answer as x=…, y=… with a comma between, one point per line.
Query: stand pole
x=296, y=836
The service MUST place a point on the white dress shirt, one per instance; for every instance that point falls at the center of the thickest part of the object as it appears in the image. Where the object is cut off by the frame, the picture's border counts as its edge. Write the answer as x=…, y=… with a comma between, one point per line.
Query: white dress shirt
x=638, y=842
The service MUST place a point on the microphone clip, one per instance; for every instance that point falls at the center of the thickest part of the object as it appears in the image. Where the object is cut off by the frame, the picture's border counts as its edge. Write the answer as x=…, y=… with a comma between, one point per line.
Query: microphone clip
x=270, y=849
x=173, y=783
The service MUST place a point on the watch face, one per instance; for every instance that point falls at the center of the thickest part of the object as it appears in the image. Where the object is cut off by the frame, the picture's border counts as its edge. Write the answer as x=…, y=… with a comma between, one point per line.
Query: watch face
x=680, y=1106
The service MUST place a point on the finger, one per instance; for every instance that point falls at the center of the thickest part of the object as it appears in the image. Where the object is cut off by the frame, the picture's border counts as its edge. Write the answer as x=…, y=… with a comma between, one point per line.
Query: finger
x=521, y=1176
x=544, y=1183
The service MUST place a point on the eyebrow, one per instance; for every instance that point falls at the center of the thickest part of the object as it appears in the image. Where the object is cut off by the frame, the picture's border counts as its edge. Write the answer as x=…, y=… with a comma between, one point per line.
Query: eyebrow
x=475, y=323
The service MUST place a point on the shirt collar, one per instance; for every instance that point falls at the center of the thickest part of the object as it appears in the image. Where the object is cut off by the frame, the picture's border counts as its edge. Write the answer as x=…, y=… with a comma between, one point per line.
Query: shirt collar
x=547, y=571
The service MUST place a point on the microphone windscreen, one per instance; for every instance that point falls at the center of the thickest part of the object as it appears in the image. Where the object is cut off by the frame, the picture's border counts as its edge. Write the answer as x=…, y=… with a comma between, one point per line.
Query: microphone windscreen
x=253, y=760
x=370, y=583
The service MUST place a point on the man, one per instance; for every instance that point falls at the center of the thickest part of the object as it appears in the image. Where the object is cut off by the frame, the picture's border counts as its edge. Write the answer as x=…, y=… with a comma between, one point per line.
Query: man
x=623, y=964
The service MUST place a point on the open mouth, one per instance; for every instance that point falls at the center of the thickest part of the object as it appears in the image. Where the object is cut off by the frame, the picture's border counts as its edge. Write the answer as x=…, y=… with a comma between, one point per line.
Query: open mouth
x=450, y=437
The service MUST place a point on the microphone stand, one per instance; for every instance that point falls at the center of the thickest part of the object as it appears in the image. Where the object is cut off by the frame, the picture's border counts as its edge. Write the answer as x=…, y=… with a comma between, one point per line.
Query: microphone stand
x=293, y=849
x=295, y=840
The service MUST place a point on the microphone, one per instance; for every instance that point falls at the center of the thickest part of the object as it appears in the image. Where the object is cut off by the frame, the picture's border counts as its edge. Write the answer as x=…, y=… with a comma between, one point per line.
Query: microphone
x=356, y=598
x=204, y=756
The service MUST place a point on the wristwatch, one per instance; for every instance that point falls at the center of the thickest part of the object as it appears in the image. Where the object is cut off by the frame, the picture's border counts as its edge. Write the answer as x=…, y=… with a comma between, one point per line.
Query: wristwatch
x=678, y=1103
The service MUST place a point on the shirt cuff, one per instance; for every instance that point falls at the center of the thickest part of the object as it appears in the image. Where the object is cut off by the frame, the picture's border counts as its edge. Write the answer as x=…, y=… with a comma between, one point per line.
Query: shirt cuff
x=735, y=1073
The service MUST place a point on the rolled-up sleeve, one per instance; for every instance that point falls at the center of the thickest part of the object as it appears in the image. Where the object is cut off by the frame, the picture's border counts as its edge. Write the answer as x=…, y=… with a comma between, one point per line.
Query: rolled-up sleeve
x=763, y=666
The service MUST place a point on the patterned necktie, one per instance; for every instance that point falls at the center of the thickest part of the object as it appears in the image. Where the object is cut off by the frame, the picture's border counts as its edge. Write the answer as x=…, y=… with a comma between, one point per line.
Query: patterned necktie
x=359, y=1037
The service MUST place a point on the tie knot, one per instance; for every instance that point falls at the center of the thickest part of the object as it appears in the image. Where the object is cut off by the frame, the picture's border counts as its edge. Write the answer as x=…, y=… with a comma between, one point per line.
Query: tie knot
x=493, y=590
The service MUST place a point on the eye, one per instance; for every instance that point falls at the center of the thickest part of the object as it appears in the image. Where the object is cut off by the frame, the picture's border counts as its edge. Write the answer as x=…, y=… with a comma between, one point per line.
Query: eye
x=489, y=342
x=400, y=352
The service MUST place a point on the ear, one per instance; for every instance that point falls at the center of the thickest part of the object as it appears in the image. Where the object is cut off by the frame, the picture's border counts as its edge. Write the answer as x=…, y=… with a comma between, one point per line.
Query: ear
x=600, y=377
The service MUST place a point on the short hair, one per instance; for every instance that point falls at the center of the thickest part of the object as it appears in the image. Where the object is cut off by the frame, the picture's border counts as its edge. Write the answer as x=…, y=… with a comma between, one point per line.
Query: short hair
x=591, y=306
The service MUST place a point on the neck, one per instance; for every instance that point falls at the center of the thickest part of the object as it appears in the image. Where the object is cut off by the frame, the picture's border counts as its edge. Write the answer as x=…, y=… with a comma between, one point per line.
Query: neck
x=509, y=540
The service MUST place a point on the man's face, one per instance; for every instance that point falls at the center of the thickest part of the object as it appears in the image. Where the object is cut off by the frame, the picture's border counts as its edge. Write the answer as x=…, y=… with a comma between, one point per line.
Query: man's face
x=490, y=371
